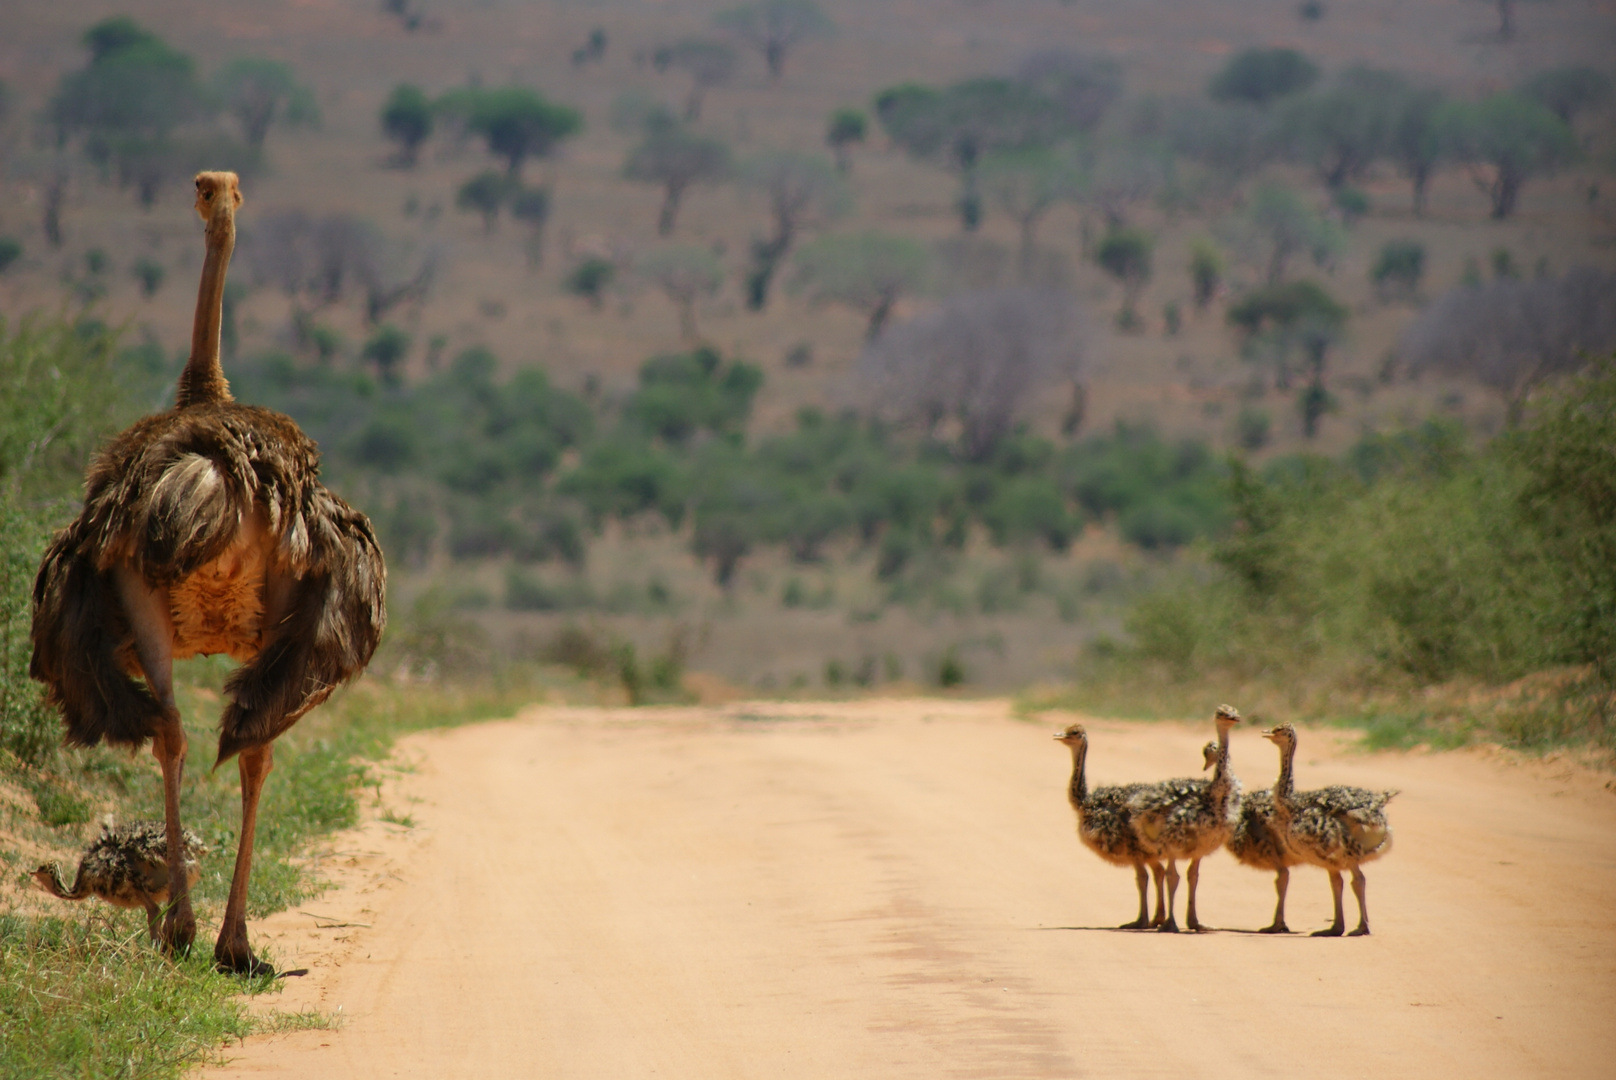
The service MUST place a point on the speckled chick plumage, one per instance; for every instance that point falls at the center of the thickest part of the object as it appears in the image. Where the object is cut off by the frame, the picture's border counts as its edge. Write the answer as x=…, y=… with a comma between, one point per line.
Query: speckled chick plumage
x=126, y=866
x=1336, y=827
x=1190, y=817
x=1105, y=825
x=1104, y=822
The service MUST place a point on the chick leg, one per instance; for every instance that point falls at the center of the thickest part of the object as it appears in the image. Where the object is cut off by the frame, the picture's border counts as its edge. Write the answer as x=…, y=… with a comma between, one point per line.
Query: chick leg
x=1142, y=878
x=1360, y=888
x=1282, y=882
x=1340, y=923
x=1171, y=925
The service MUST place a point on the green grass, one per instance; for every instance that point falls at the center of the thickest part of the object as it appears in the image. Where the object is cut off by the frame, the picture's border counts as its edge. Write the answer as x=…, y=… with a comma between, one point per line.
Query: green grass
x=86, y=995
x=89, y=997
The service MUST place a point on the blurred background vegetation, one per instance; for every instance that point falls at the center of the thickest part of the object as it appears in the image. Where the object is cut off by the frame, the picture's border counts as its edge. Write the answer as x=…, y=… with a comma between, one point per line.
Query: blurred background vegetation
x=780, y=348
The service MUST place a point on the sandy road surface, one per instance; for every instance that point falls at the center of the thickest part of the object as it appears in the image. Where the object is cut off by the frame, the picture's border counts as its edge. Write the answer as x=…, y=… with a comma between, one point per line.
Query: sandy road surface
x=894, y=889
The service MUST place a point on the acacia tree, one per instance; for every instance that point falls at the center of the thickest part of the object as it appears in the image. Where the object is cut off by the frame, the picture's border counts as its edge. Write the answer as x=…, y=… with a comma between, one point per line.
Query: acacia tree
x=1083, y=86
x=845, y=127
x=802, y=192
x=1125, y=254
x=257, y=91
x=1567, y=91
x=976, y=361
x=485, y=194
x=1231, y=142
x=708, y=63
x=776, y=27
x=1415, y=141
x=1512, y=335
x=407, y=119
x=1278, y=319
x=127, y=102
x=960, y=124
x=317, y=262
x=1027, y=184
x=868, y=272
x=1262, y=76
x=1277, y=225
x=685, y=273
x=518, y=123
x=532, y=205
x=1505, y=140
x=1342, y=130
x=674, y=159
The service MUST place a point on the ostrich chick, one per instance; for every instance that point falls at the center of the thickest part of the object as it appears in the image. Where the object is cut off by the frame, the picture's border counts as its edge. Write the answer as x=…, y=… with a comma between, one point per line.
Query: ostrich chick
x=1256, y=841
x=127, y=867
x=1104, y=824
x=1190, y=819
x=1338, y=827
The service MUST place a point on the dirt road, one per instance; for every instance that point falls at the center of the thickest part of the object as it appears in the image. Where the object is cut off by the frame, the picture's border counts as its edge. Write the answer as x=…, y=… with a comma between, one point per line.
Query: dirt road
x=895, y=889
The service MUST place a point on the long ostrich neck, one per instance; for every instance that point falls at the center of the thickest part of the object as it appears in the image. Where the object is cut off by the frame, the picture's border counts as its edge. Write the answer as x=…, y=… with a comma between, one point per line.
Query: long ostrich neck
x=51, y=877
x=1078, y=791
x=1285, y=785
x=1220, y=774
x=203, y=380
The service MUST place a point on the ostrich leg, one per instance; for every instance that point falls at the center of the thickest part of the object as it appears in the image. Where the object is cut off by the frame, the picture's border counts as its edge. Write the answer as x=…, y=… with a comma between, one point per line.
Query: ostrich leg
x=1142, y=879
x=1335, y=928
x=1161, y=896
x=147, y=609
x=1193, y=878
x=233, y=953
x=1282, y=881
x=1360, y=889
x=1170, y=925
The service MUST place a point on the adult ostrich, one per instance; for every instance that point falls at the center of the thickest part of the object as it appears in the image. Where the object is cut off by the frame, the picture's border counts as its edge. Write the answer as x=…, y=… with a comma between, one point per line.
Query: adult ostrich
x=205, y=530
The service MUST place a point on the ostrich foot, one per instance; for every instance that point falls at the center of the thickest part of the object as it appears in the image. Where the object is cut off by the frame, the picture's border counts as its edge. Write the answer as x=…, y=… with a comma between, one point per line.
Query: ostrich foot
x=1137, y=924
x=178, y=930
x=1275, y=928
x=1329, y=931
x=236, y=958
x=1362, y=931
x=1168, y=927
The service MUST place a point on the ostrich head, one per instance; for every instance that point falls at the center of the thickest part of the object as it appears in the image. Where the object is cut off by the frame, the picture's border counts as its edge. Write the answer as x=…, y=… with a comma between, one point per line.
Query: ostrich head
x=1073, y=736
x=1209, y=756
x=1281, y=735
x=214, y=189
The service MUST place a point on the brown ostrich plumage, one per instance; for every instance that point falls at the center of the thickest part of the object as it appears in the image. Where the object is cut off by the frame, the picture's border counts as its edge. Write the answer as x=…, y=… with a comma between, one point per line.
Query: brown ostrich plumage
x=206, y=530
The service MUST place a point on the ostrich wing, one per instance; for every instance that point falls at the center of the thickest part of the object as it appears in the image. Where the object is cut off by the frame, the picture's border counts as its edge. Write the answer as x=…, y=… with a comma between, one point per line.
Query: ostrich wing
x=322, y=628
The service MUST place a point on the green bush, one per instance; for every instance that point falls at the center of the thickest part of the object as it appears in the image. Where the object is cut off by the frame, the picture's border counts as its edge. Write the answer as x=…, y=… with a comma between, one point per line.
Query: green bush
x=1399, y=267
x=1416, y=561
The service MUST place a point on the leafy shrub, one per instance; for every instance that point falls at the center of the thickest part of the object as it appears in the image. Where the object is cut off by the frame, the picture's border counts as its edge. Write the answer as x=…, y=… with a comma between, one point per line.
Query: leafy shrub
x=1399, y=267
x=589, y=280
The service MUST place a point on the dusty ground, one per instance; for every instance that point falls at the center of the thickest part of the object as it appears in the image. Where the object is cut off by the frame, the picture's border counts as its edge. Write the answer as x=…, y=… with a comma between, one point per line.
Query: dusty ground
x=894, y=889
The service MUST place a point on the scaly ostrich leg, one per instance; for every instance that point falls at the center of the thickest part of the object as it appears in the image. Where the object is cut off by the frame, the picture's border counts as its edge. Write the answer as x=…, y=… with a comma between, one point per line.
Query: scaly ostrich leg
x=1170, y=924
x=1340, y=923
x=1193, y=878
x=233, y=953
x=1360, y=889
x=1156, y=871
x=1142, y=879
x=147, y=610
x=1282, y=882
